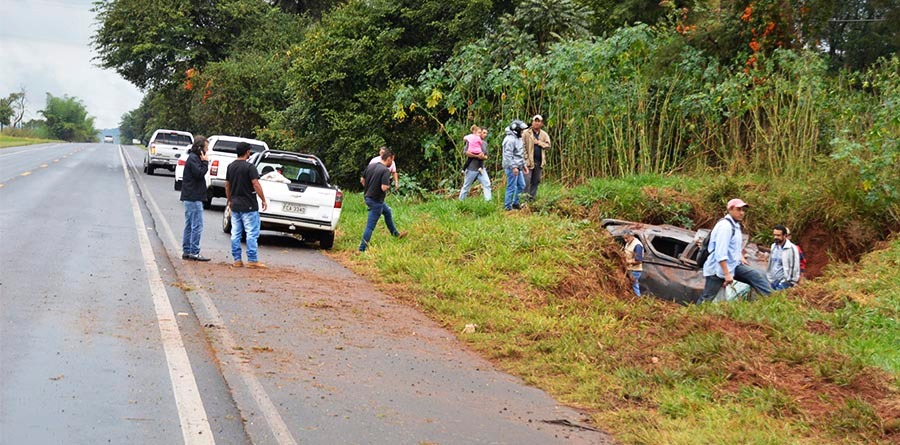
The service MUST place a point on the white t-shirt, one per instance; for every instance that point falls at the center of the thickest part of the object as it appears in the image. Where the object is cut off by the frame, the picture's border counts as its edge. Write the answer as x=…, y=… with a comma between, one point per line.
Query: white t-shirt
x=378, y=159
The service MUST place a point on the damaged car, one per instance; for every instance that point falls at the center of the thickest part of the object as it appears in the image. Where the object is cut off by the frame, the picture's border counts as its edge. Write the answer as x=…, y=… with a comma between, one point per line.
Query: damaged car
x=670, y=264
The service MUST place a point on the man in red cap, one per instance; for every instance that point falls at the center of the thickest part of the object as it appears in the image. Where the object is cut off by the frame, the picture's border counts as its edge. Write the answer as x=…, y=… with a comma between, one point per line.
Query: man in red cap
x=726, y=262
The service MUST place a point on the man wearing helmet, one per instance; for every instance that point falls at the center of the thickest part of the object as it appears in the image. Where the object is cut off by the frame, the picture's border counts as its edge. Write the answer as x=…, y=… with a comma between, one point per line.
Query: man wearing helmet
x=514, y=164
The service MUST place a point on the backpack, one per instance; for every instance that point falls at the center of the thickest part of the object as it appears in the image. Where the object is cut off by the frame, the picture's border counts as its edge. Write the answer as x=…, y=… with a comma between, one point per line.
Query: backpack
x=704, y=247
x=802, y=259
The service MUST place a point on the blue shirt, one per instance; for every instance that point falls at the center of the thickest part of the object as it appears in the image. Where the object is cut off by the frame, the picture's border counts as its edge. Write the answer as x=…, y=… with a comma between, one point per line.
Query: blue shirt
x=775, y=260
x=639, y=253
x=725, y=243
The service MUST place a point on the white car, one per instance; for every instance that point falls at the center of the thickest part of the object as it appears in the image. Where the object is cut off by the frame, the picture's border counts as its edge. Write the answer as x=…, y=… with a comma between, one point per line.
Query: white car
x=107, y=139
x=301, y=198
x=164, y=149
x=222, y=152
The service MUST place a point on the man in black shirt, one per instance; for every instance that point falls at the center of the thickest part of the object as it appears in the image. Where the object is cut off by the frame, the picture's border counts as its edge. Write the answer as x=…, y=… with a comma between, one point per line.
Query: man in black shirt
x=241, y=188
x=377, y=181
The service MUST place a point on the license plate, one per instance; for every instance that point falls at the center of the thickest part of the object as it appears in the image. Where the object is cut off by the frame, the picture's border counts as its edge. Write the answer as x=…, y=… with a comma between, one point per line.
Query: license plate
x=293, y=208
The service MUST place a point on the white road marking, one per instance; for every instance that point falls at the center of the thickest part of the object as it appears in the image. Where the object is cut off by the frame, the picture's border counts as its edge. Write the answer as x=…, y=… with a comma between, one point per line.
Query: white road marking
x=26, y=149
x=25, y=174
x=273, y=418
x=194, y=423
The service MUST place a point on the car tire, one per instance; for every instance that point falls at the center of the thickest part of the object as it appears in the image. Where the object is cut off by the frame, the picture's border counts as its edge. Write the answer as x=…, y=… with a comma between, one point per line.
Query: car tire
x=150, y=169
x=177, y=185
x=226, y=220
x=326, y=240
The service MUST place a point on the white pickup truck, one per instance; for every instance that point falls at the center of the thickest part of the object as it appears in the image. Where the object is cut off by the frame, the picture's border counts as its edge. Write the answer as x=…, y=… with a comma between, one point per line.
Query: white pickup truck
x=164, y=149
x=222, y=152
x=301, y=198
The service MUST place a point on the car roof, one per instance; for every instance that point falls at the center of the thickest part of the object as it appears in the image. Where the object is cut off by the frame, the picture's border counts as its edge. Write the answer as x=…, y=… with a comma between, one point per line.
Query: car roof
x=236, y=139
x=163, y=130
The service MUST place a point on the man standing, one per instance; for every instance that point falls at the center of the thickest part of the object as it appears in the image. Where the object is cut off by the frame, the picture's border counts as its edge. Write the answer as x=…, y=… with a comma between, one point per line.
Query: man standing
x=726, y=261
x=193, y=193
x=514, y=164
x=241, y=189
x=393, y=167
x=634, y=258
x=784, y=261
x=536, y=141
x=377, y=181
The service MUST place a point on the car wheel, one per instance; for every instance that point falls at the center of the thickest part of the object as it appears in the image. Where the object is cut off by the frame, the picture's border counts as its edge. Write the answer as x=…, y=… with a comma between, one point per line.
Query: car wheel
x=226, y=220
x=177, y=185
x=326, y=240
x=145, y=165
x=150, y=169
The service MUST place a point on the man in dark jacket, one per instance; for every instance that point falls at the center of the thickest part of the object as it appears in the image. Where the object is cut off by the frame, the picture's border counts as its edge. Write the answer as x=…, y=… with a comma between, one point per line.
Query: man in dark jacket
x=193, y=193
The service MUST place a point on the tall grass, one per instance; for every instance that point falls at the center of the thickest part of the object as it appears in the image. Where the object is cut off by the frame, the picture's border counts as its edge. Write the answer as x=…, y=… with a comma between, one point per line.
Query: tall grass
x=643, y=101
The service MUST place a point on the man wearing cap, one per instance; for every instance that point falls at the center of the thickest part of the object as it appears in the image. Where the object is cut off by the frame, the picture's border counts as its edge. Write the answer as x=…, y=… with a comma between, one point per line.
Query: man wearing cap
x=634, y=257
x=536, y=141
x=726, y=262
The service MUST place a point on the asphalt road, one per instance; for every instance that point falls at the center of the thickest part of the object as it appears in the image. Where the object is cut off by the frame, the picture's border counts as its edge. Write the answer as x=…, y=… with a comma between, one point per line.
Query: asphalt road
x=107, y=336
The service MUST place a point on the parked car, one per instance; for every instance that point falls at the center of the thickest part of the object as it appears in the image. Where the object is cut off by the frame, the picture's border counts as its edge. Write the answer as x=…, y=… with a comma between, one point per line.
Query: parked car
x=301, y=198
x=670, y=264
x=164, y=149
x=222, y=152
x=107, y=139
x=179, y=167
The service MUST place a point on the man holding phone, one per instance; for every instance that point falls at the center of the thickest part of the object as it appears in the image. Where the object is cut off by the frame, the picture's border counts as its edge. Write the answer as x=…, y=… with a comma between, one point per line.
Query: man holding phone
x=241, y=189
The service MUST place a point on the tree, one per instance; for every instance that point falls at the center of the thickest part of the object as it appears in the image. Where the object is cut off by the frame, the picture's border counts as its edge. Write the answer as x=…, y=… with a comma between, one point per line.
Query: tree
x=553, y=20
x=17, y=101
x=67, y=119
x=6, y=112
x=155, y=42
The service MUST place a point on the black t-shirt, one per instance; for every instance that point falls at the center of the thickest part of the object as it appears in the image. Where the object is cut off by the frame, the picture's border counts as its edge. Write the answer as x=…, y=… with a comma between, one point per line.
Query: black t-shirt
x=377, y=175
x=538, y=151
x=240, y=178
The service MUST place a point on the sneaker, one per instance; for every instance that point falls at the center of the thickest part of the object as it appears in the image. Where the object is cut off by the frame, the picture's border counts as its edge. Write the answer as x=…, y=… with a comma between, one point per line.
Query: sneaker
x=199, y=257
x=402, y=234
x=256, y=265
x=517, y=206
x=237, y=264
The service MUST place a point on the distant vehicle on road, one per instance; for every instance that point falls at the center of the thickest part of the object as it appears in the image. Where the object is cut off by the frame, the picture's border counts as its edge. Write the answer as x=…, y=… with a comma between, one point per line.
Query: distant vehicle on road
x=670, y=264
x=164, y=149
x=107, y=139
x=222, y=152
x=301, y=198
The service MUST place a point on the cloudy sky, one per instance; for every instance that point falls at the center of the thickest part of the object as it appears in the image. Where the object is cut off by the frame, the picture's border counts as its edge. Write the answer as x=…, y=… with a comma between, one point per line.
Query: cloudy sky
x=45, y=48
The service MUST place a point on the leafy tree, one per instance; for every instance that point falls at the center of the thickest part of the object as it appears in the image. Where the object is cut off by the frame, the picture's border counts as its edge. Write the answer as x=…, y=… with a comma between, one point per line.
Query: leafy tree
x=857, y=32
x=553, y=20
x=313, y=8
x=6, y=112
x=17, y=102
x=153, y=42
x=67, y=119
x=347, y=68
x=608, y=15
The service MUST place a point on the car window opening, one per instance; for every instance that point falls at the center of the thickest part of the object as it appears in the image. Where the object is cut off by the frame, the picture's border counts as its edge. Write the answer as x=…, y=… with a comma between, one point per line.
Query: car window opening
x=231, y=147
x=173, y=139
x=668, y=246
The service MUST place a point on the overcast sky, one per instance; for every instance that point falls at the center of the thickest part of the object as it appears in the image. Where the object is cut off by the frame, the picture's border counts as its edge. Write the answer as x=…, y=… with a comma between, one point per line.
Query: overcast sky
x=45, y=46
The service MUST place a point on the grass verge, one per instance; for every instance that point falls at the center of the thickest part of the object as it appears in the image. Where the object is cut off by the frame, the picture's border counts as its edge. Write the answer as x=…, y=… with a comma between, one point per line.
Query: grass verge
x=818, y=364
x=15, y=141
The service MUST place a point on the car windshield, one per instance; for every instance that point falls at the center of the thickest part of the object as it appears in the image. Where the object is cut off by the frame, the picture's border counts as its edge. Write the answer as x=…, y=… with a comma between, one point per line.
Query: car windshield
x=295, y=170
x=231, y=147
x=173, y=139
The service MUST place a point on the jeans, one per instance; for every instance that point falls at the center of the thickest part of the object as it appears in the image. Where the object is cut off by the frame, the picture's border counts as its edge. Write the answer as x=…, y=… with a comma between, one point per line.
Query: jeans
x=471, y=176
x=193, y=227
x=745, y=274
x=532, y=181
x=376, y=209
x=245, y=222
x=782, y=285
x=515, y=184
x=635, y=282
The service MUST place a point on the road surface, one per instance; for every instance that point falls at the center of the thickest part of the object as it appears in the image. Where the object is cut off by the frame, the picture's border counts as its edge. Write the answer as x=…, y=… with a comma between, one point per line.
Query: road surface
x=107, y=336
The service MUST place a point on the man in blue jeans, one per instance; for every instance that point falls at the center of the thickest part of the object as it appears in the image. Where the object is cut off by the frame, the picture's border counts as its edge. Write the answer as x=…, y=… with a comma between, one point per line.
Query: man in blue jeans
x=193, y=193
x=241, y=189
x=634, y=259
x=726, y=262
x=514, y=164
x=377, y=181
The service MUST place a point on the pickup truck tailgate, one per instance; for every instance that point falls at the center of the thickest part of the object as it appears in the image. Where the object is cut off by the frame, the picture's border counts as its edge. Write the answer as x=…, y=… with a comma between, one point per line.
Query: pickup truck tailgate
x=300, y=201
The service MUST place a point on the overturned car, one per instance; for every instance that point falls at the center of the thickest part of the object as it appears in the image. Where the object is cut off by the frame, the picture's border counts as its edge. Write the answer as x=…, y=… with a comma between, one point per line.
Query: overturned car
x=670, y=264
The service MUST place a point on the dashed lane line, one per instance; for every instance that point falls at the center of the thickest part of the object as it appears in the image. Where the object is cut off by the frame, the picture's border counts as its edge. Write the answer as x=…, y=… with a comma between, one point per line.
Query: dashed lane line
x=25, y=174
x=277, y=426
x=194, y=424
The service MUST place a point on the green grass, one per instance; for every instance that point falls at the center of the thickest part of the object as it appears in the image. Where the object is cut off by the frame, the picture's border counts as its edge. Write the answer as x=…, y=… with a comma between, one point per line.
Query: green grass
x=542, y=288
x=13, y=141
